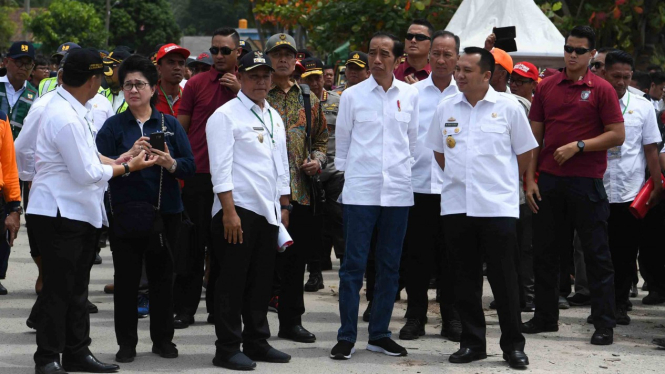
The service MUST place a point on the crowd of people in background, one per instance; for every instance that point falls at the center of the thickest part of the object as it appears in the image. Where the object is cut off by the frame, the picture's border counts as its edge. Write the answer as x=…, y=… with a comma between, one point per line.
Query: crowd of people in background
x=428, y=167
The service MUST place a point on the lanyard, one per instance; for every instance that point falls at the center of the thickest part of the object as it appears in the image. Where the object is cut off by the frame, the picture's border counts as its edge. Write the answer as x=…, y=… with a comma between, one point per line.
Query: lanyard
x=272, y=129
x=628, y=103
x=86, y=120
x=168, y=100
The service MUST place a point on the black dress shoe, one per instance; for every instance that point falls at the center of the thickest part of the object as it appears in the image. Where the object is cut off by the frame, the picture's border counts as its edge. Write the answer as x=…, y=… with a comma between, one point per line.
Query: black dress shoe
x=535, y=327
x=603, y=336
x=182, y=321
x=125, y=354
x=297, y=333
x=315, y=282
x=452, y=329
x=466, y=355
x=88, y=364
x=368, y=312
x=3, y=290
x=98, y=259
x=50, y=368
x=413, y=329
x=238, y=361
x=272, y=355
x=92, y=308
x=165, y=350
x=516, y=359
x=621, y=315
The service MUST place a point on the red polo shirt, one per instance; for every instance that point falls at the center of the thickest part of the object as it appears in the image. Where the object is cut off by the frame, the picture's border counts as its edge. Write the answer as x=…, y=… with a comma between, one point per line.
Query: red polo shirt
x=203, y=94
x=573, y=111
x=165, y=105
x=405, y=69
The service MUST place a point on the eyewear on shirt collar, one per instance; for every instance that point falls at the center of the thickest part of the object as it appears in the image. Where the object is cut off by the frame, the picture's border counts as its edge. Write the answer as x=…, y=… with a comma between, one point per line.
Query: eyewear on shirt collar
x=225, y=50
x=419, y=37
x=578, y=50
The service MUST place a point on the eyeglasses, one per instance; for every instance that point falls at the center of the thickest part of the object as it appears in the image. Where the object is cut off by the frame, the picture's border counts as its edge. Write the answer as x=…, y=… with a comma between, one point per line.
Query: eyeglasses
x=419, y=37
x=519, y=82
x=225, y=50
x=128, y=86
x=578, y=50
x=597, y=65
x=23, y=65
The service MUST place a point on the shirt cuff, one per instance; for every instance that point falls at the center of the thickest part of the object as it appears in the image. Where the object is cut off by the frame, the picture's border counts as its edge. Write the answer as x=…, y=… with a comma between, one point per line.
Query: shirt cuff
x=11, y=205
x=224, y=187
x=285, y=191
x=25, y=176
x=340, y=163
x=107, y=174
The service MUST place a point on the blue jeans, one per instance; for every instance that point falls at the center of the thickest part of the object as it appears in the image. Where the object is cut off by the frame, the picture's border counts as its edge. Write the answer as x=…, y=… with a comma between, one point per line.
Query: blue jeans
x=359, y=223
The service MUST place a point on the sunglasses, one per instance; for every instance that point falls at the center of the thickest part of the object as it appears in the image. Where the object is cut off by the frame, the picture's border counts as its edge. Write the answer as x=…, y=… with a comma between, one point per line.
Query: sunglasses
x=578, y=50
x=419, y=37
x=597, y=65
x=225, y=51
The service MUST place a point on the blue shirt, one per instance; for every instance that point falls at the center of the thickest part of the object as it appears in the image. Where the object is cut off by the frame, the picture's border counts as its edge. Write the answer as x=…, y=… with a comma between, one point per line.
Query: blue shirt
x=118, y=135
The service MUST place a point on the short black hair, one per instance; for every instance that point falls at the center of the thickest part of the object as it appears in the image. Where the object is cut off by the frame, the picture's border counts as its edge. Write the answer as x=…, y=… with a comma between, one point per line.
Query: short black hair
x=76, y=79
x=228, y=31
x=642, y=79
x=657, y=77
x=585, y=32
x=398, y=46
x=447, y=34
x=426, y=23
x=486, y=62
x=138, y=64
x=40, y=60
x=605, y=50
x=654, y=67
x=619, y=57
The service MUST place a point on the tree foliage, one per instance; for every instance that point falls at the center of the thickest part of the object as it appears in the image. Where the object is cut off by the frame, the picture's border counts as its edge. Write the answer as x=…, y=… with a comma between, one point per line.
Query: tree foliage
x=203, y=17
x=7, y=27
x=66, y=21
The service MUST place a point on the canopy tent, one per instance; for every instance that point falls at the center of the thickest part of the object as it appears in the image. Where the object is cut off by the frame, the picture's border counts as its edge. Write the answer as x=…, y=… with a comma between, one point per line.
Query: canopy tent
x=538, y=40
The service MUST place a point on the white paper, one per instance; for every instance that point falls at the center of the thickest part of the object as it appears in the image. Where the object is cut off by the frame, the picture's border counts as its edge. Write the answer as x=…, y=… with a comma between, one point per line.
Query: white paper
x=283, y=239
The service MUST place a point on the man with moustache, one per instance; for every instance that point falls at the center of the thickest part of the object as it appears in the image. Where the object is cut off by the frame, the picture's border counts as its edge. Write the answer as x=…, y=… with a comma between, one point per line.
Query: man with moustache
x=203, y=94
x=328, y=77
x=416, y=67
x=357, y=70
x=171, y=60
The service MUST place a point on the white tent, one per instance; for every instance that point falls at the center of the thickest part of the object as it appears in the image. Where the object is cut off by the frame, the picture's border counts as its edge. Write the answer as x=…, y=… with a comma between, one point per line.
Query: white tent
x=538, y=40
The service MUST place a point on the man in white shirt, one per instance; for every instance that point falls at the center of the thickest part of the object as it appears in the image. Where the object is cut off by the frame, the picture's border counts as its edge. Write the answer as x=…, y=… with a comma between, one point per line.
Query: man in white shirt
x=376, y=136
x=424, y=233
x=66, y=207
x=250, y=177
x=482, y=141
x=623, y=179
x=655, y=94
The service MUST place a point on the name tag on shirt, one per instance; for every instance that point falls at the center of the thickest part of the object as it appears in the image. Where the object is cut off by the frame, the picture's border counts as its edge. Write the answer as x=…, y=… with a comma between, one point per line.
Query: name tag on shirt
x=614, y=153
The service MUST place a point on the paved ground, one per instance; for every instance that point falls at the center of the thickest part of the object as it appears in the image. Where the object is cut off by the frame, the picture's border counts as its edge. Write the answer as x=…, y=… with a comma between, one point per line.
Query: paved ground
x=566, y=351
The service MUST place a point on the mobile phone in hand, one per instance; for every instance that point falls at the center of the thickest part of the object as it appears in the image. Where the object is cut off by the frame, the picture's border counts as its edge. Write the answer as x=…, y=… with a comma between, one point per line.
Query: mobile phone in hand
x=157, y=141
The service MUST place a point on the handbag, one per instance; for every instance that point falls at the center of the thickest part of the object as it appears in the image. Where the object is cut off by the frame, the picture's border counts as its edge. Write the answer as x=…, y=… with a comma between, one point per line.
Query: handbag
x=317, y=193
x=138, y=219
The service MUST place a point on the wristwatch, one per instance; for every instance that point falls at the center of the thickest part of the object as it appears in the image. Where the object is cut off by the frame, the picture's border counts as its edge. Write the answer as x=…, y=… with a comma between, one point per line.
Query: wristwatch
x=18, y=209
x=580, y=145
x=173, y=167
x=287, y=207
x=126, y=169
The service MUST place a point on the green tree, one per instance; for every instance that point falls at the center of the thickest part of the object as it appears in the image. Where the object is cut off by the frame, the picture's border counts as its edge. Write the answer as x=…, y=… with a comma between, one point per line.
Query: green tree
x=66, y=21
x=202, y=17
x=7, y=27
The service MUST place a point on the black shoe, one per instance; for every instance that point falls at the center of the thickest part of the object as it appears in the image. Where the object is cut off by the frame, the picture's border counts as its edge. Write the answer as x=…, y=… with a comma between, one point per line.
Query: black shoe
x=92, y=308
x=165, y=350
x=466, y=355
x=98, y=259
x=3, y=290
x=516, y=359
x=368, y=312
x=182, y=321
x=342, y=350
x=536, y=327
x=297, y=333
x=563, y=303
x=211, y=319
x=493, y=304
x=238, y=361
x=452, y=330
x=633, y=290
x=386, y=346
x=50, y=368
x=621, y=316
x=589, y=319
x=529, y=307
x=659, y=342
x=125, y=354
x=272, y=355
x=88, y=364
x=603, y=336
x=579, y=300
x=653, y=298
x=31, y=324
x=412, y=329
x=315, y=282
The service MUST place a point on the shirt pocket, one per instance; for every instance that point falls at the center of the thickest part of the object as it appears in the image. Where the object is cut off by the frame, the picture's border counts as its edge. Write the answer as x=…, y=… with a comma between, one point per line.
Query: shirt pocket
x=494, y=139
x=403, y=117
x=633, y=128
x=366, y=116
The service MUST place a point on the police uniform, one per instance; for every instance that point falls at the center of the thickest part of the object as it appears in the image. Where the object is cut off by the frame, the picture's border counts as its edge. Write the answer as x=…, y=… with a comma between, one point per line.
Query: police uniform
x=480, y=207
x=117, y=99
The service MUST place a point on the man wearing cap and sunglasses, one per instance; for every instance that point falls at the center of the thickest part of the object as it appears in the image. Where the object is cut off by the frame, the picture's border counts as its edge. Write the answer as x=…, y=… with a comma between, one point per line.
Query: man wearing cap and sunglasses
x=201, y=64
x=171, y=60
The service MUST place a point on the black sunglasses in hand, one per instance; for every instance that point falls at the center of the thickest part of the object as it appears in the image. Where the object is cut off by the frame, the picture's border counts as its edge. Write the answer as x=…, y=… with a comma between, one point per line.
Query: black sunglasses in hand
x=419, y=37
x=578, y=50
x=225, y=51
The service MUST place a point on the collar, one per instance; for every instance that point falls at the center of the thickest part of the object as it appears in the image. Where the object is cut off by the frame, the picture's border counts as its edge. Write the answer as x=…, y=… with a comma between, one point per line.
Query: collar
x=624, y=99
x=5, y=79
x=429, y=82
x=588, y=79
x=80, y=109
x=324, y=97
x=128, y=116
x=249, y=104
x=373, y=84
x=491, y=96
x=159, y=89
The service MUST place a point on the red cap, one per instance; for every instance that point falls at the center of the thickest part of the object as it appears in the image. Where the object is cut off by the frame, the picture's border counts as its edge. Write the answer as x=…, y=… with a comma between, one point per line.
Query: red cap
x=172, y=48
x=527, y=70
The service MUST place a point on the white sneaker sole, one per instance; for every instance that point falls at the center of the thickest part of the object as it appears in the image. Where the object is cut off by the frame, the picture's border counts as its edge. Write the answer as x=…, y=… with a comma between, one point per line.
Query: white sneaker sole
x=376, y=348
x=342, y=357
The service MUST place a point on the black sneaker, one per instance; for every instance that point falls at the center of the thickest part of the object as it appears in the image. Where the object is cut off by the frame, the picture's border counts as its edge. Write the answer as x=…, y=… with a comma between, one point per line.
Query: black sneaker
x=125, y=354
x=386, y=346
x=165, y=350
x=579, y=300
x=315, y=282
x=412, y=329
x=622, y=317
x=342, y=350
x=603, y=336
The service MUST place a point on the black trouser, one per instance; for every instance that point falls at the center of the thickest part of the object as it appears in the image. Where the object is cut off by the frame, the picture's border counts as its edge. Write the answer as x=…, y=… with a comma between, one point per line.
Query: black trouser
x=197, y=197
x=582, y=202
x=305, y=230
x=652, y=255
x=244, y=284
x=333, y=228
x=525, y=245
x=624, y=231
x=128, y=257
x=68, y=250
x=424, y=245
x=469, y=240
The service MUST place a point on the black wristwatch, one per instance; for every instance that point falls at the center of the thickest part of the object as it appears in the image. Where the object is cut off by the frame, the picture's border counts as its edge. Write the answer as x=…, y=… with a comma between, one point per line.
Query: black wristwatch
x=287, y=207
x=580, y=145
x=18, y=209
x=126, y=169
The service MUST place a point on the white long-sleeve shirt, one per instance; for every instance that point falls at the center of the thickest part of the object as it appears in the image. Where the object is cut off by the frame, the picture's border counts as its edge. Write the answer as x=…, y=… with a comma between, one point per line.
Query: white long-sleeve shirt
x=69, y=174
x=376, y=138
x=244, y=159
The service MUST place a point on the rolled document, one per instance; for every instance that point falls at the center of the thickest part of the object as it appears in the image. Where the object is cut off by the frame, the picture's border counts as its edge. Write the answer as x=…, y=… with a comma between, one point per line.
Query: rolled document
x=283, y=239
